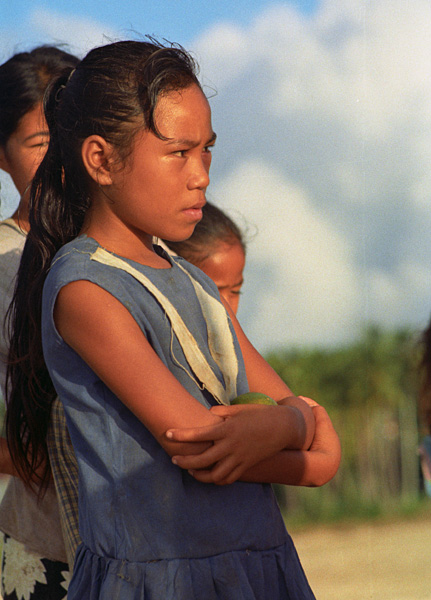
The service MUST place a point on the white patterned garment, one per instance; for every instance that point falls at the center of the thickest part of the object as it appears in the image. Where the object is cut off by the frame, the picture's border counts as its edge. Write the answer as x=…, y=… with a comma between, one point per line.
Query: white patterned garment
x=23, y=571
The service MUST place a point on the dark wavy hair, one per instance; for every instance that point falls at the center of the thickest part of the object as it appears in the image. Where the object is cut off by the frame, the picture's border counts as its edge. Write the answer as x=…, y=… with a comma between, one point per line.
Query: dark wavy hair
x=113, y=92
x=213, y=229
x=23, y=81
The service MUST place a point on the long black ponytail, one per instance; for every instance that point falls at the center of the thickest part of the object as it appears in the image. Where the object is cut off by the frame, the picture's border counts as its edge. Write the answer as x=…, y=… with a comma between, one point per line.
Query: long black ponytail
x=113, y=93
x=29, y=388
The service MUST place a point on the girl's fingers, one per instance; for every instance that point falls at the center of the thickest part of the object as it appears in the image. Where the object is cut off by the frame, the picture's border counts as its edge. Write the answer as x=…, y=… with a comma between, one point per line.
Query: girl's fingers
x=215, y=465
x=309, y=401
x=205, y=460
x=196, y=434
x=221, y=474
x=208, y=433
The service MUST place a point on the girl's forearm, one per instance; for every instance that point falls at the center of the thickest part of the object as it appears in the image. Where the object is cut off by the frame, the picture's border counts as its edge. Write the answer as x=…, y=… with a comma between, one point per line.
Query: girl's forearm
x=314, y=467
x=295, y=467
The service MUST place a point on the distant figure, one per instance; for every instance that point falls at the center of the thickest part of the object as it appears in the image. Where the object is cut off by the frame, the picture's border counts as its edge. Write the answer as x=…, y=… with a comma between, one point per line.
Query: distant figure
x=425, y=459
x=424, y=449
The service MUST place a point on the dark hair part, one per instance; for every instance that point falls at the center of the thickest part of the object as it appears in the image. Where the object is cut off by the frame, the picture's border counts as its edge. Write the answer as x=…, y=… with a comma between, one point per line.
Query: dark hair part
x=112, y=93
x=213, y=229
x=23, y=81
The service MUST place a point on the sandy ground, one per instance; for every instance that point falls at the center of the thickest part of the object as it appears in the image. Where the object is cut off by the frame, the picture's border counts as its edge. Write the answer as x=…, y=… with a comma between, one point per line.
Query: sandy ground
x=368, y=561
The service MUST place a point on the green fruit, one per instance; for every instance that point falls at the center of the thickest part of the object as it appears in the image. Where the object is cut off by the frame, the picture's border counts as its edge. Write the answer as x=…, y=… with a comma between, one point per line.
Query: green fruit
x=253, y=398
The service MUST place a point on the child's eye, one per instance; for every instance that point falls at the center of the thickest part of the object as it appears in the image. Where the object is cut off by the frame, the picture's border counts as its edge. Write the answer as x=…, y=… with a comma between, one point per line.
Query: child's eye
x=40, y=144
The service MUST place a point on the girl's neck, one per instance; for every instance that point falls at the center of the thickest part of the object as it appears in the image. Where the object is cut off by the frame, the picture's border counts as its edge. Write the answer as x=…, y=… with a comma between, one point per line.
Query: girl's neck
x=118, y=237
x=134, y=246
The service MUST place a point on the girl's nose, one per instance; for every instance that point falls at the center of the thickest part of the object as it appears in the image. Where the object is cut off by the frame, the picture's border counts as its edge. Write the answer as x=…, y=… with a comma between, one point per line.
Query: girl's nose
x=200, y=178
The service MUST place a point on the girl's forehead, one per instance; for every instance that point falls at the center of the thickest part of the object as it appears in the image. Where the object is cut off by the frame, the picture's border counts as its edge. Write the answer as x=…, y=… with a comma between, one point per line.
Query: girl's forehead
x=183, y=107
x=32, y=123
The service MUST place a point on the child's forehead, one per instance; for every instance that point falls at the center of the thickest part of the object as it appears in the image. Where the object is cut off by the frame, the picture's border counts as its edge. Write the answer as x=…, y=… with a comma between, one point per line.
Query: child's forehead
x=183, y=108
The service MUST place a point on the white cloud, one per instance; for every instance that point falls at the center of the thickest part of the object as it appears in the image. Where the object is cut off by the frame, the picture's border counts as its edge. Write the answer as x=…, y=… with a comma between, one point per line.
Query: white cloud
x=226, y=59
x=366, y=64
x=306, y=287
x=399, y=298
x=81, y=34
x=329, y=117
x=324, y=125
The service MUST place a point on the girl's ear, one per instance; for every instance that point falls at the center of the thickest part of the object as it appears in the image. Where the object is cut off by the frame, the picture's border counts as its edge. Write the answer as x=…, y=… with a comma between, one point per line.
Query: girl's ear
x=97, y=156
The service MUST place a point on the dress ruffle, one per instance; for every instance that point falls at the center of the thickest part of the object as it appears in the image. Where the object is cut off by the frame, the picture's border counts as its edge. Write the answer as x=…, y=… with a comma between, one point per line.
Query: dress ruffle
x=272, y=574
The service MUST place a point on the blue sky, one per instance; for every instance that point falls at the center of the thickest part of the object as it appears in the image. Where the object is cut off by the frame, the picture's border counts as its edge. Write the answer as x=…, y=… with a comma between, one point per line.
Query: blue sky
x=323, y=155
x=176, y=20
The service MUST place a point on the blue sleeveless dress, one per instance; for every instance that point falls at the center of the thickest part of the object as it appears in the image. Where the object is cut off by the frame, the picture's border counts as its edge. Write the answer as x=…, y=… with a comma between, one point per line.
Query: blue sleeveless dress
x=149, y=530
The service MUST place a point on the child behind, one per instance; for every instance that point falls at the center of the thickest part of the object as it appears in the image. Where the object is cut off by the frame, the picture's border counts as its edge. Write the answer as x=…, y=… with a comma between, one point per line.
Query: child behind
x=30, y=525
x=217, y=247
x=142, y=353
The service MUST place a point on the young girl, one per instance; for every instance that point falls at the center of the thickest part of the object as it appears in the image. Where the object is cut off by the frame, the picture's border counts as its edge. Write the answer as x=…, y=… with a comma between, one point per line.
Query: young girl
x=217, y=247
x=139, y=348
x=33, y=564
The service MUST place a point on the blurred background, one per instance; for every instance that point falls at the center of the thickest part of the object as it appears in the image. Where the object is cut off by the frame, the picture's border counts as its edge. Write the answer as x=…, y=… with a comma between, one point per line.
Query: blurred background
x=323, y=115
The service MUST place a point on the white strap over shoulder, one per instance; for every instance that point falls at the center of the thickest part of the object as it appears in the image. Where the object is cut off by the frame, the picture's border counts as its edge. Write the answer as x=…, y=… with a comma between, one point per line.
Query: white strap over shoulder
x=219, y=335
x=220, y=338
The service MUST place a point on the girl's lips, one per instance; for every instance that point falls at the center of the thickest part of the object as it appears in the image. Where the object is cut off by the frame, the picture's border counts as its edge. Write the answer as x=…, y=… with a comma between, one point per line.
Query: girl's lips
x=194, y=213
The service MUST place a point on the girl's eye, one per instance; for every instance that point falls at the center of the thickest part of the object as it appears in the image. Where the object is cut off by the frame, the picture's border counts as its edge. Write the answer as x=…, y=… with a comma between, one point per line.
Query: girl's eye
x=41, y=144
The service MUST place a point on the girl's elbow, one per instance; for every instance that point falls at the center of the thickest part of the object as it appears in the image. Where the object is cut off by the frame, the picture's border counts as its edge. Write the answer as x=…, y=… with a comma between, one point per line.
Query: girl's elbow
x=322, y=479
x=327, y=471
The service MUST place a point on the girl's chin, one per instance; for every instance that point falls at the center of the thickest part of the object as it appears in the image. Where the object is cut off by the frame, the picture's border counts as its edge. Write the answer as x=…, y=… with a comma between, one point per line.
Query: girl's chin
x=180, y=236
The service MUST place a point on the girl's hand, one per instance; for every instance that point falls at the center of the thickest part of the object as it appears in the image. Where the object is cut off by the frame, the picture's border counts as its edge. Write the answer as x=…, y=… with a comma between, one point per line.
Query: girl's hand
x=247, y=435
x=314, y=467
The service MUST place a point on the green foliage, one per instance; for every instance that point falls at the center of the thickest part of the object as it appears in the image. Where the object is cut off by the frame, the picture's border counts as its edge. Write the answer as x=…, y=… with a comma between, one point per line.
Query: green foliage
x=370, y=390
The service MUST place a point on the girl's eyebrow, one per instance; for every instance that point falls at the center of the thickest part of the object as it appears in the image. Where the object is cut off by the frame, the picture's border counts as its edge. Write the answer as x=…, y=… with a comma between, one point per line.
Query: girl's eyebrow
x=223, y=287
x=191, y=143
x=212, y=138
x=37, y=134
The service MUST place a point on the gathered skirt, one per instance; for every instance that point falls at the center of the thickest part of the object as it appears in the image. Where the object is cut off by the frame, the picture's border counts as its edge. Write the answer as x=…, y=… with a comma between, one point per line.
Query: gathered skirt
x=272, y=574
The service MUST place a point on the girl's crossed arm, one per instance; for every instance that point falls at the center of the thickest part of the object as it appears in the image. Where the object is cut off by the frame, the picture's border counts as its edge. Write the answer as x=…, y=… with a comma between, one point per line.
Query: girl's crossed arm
x=312, y=467
x=103, y=332
x=248, y=431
